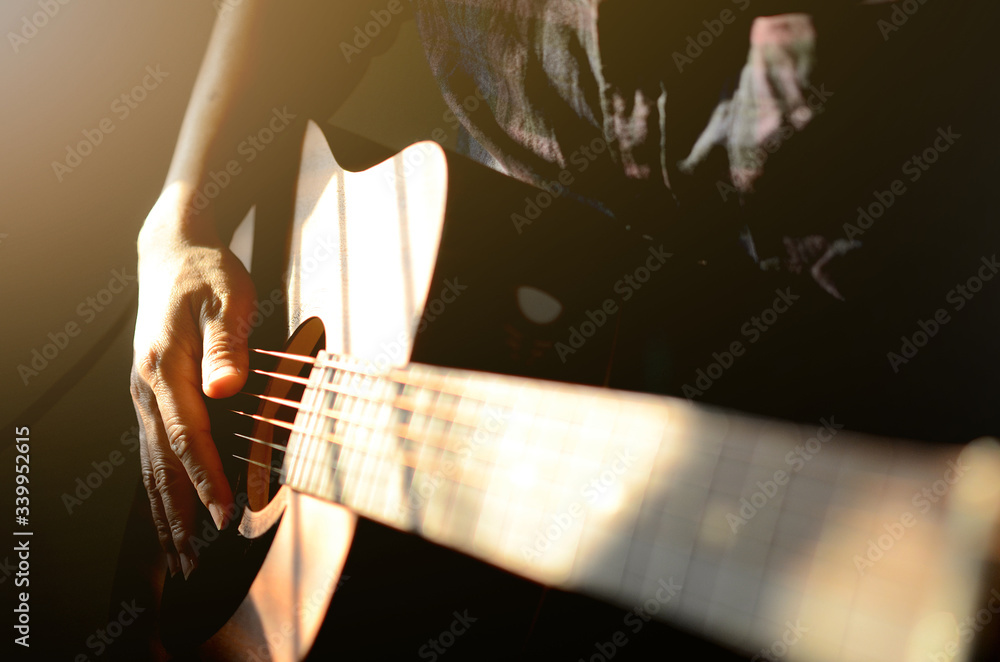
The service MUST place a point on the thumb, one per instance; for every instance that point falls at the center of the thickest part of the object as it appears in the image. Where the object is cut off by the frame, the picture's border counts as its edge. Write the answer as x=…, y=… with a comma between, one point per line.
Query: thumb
x=225, y=360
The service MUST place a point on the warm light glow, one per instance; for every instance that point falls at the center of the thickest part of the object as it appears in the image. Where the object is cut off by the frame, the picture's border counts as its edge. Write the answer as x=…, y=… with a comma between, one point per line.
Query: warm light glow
x=933, y=636
x=524, y=476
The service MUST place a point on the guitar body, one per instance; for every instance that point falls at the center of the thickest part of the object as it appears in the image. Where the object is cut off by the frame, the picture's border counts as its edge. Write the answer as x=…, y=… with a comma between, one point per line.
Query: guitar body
x=414, y=313
x=387, y=265
x=358, y=300
x=361, y=284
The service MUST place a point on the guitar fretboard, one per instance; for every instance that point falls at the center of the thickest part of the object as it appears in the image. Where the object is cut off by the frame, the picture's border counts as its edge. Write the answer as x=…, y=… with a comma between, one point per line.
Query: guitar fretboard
x=794, y=542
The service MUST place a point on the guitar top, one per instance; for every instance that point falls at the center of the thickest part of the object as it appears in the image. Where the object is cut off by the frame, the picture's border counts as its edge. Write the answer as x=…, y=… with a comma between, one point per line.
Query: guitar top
x=412, y=394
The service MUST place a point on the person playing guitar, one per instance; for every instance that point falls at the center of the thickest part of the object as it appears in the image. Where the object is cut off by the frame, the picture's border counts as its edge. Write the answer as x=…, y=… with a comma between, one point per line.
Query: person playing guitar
x=684, y=122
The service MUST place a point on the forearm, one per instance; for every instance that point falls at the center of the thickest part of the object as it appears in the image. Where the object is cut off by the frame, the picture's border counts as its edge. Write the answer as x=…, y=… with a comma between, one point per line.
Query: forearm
x=269, y=67
x=219, y=111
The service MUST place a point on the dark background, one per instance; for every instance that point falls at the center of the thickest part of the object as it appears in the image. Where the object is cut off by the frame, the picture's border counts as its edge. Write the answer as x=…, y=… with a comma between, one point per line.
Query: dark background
x=61, y=241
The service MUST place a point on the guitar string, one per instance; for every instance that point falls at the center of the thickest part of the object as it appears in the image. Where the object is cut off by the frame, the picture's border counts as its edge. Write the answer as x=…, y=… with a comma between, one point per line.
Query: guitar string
x=438, y=466
x=312, y=465
x=403, y=404
x=404, y=377
x=430, y=413
x=348, y=415
x=347, y=367
x=343, y=390
x=401, y=376
x=408, y=406
x=340, y=440
x=644, y=572
x=365, y=466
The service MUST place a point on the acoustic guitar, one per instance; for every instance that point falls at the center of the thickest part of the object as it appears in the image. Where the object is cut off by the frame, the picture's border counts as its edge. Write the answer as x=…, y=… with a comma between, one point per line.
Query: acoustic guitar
x=415, y=394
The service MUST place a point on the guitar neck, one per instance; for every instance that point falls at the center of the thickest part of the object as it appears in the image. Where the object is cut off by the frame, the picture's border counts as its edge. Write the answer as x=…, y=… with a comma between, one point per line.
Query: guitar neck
x=759, y=534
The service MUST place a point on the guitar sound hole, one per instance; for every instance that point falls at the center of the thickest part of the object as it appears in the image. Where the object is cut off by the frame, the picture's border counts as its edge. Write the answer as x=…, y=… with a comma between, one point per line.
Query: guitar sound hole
x=280, y=404
x=193, y=610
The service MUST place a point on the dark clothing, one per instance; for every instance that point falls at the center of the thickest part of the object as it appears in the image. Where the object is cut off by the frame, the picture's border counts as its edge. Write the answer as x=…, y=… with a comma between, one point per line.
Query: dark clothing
x=881, y=330
x=602, y=91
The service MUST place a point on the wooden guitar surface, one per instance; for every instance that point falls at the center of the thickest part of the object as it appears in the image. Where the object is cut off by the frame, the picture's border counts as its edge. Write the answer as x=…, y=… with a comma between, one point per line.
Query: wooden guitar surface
x=366, y=282
x=383, y=288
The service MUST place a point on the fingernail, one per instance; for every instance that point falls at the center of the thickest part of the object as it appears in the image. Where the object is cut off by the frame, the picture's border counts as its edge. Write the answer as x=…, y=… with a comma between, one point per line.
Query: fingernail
x=218, y=516
x=222, y=372
x=173, y=563
x=187, y=563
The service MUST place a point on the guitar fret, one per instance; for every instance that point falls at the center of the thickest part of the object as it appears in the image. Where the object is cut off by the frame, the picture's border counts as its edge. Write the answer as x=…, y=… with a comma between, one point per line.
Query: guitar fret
x=485, y=438
x=338, y=427
x=430, y=455
x=706, y=555
x=353, y=436
x=366, y=492
x=328, y=478
x=561, y=501
x=522, y=474
x=613, y=496
x=371, y=437
x=517, y=475
x=675, y=530
x=653, y=481
x=451, y=463
x=616, y=497
x=314, y=436
x=406, y=446
x=303, y=447
x=386, y=480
